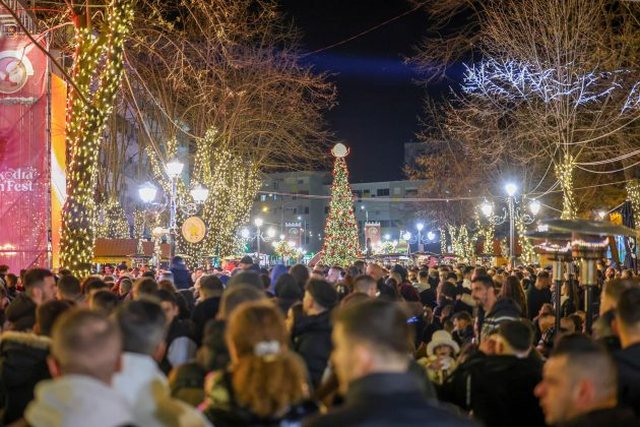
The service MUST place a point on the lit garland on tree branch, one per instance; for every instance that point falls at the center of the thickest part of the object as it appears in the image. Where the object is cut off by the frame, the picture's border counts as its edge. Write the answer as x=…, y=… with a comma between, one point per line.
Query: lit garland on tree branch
x=114, y=224
x=97, y=70
x=633, y=195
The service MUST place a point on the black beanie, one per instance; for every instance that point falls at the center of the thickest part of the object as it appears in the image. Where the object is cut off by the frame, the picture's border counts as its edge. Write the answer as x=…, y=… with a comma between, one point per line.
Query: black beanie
x=323, y=293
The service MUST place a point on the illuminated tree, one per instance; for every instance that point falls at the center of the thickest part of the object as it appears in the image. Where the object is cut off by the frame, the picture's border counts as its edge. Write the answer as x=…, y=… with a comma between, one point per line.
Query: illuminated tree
x=553, y=90
x=341, y=245
x=113, y=223
x=97, y=69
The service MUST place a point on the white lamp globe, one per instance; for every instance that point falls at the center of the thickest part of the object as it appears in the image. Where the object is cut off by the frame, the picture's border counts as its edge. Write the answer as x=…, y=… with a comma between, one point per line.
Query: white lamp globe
x=199, y=193
x=420, y=226
x=431, y=235
x=487, y=209
x=258, y=222
x=147, y=192
x=535, y=207
x=511, y=189
x=174, y=168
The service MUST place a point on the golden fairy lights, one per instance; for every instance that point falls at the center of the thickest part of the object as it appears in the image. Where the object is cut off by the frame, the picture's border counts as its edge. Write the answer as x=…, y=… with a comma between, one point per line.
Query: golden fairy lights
x=97, y=70
x=564, y=172
x=341, y=245
x=633, y=195
x=114, y=224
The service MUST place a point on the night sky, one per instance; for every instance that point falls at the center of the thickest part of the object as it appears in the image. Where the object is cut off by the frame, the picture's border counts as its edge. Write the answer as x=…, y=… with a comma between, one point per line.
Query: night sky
x=378, y=102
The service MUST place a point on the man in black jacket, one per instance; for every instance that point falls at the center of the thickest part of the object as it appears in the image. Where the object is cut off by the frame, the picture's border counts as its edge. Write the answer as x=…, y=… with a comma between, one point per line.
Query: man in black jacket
x=628, y=359
x=312, y=333
x=498, y=388
x=496, y=310
x=579, y=387
x=371, y=358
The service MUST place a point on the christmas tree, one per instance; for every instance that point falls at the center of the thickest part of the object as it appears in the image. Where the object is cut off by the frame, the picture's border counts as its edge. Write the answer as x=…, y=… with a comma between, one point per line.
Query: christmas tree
x=341, y=230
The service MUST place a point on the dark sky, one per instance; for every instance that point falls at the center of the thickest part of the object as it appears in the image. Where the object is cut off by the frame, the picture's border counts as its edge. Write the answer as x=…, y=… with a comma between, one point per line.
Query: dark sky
x=378, y=102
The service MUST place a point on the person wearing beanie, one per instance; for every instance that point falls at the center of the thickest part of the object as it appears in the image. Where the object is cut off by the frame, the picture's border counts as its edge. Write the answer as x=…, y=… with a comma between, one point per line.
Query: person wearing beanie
x=245, y=263
x=312, y=333
x=246, y=278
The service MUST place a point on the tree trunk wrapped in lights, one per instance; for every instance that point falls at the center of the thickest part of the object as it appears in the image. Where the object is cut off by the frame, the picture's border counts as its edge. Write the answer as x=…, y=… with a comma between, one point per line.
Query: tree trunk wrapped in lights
x=633, y=195
x=462, y=242
x=341, y=244
x=564, y=172
x=97, y=70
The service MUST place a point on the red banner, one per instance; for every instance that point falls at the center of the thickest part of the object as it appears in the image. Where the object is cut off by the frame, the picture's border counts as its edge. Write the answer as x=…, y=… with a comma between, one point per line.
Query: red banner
x=24, y=153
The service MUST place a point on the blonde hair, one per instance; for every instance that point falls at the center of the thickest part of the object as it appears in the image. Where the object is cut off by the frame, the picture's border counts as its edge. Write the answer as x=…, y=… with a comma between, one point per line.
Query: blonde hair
x=267, y=377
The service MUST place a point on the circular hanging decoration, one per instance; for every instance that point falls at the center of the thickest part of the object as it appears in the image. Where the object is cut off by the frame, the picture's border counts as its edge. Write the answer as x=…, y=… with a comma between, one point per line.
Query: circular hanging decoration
x=340, y=150
x=193, y=229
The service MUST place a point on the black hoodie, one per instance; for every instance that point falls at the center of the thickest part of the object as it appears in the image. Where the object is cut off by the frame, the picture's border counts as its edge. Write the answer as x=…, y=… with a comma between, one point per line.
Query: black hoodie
x=312, y=340
x=504, y=309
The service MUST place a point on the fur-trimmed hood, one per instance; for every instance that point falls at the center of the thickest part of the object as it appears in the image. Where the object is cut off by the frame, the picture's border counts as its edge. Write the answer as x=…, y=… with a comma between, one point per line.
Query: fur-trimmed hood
x=28, y=339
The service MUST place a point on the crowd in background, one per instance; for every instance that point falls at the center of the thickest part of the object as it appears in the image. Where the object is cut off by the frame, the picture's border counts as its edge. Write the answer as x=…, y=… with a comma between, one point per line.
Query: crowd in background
x=367, y=345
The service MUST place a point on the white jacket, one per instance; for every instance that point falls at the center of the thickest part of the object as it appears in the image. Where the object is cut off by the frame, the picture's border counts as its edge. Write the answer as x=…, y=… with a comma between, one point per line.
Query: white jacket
x=77, y=401
x=146, y=389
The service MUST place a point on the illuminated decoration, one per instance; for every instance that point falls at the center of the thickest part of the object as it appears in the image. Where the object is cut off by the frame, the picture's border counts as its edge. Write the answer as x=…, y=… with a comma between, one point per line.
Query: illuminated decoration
x=528, y=254
x=443, y=241
x=341, y=245
x=386, y=247
x=113, y=224
x=138, y=223
x=284, y=249
x=564, y=172
x=193, y=230
x=462, y=242
x=486, y=229
x=231, y=183
x=633, y=195
x=518, y=81
x=97, y=70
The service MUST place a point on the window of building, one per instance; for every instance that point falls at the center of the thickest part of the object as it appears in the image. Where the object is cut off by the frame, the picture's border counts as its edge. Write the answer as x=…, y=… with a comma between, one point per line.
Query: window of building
x=366, y=193
x=384, y=223
x=397, y=191
x=275, y=185
x=306, y=209
x=382, y=192
x=300, y=181
x=263, y=197
x=295, y=211
x=411, y=192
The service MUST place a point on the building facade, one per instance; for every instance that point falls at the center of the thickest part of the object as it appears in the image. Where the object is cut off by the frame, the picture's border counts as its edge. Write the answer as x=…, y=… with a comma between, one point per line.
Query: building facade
x=303, y=197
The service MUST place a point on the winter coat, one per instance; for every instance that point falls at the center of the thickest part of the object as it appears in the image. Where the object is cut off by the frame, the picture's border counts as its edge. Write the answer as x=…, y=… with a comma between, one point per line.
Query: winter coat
x=203, y=312
x=23, y=363
x=312, y=340
x=77, y=401
x=181, y=277
x=387, y=399
x=628, y=361
x=613, y=417
x=181, y=347
x=535, y=299
x=498, y=389
x=504, y=309
x=222, y=409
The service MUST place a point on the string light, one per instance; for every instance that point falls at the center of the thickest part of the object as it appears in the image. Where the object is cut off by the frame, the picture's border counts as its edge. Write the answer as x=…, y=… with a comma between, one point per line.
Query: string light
x=341, y=245
x=114, y=224
x=564, y=172
x=97, y=70
x=633, y=195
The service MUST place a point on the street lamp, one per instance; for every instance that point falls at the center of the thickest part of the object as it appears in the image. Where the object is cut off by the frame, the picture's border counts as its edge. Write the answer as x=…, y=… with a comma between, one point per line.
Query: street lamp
x=199, y=193
x=510, y=214
x=420, y=227
x=431, y=236
x=147, y=192
x=258, y=222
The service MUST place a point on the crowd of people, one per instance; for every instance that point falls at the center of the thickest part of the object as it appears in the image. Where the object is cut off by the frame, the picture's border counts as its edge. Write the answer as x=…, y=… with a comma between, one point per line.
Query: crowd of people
x=367, y=345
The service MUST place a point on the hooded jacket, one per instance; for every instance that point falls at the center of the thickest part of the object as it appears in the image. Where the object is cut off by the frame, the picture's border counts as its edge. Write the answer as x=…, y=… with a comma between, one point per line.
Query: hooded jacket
x=77, y=401
x=628, y=361
x=23, y=363
x=146, y=389
x=312, y=340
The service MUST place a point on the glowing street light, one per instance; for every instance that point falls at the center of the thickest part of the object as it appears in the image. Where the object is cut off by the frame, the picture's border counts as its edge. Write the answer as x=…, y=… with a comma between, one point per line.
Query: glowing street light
x=535, y=207
x=420, y=226
x=511, y=189
x=147, y=192
x=431, y=236
x=487, y=209
x=174, y=168
x=258, y=222
x=200, y=193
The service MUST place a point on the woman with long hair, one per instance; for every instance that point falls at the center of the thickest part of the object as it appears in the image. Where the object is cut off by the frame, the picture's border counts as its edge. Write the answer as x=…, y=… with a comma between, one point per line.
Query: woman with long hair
x=513, y=289
x=265, y=383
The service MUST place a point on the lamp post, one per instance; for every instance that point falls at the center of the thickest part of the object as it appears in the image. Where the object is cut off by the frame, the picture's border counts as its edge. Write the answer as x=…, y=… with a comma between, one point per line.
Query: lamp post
x=199, y=194
x=420, y=227
x=258, y=222
x=511, y=213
